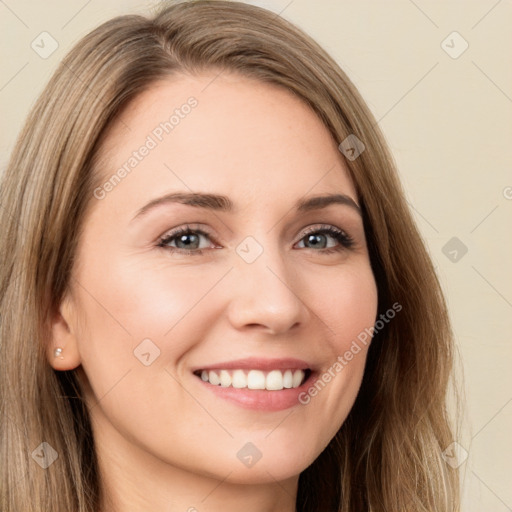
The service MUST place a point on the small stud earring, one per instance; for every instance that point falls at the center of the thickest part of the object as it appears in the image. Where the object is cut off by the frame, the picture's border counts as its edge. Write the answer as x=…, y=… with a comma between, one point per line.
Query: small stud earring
x=58, y=352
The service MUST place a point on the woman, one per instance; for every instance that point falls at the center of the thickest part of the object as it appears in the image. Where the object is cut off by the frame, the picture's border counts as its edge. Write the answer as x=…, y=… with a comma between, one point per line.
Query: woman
x=253, y=371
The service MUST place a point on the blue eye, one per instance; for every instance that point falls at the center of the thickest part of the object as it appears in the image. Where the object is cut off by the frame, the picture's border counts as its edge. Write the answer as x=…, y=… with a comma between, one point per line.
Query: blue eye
x=315, y=234
x=183, y=235
x=189, y=238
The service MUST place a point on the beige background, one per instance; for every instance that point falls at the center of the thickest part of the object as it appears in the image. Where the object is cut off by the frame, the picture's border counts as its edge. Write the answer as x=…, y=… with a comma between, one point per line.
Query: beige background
x=448, y=122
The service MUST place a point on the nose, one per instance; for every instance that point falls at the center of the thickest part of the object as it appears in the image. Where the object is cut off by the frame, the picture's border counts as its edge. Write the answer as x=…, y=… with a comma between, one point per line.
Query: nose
x=265, y=294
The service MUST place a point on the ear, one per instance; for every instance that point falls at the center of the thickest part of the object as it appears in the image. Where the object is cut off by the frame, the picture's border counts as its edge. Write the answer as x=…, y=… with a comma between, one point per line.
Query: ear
x=64, y=336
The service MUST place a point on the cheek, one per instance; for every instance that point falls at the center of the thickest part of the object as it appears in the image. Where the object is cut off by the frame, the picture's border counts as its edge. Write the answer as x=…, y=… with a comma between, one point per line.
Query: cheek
x=348, y=313
x=129, y=303
x=348, y=305
x=140, y=320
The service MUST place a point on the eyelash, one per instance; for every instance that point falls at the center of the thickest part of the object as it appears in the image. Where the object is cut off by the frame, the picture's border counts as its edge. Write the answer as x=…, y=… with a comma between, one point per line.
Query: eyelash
x=345, y=241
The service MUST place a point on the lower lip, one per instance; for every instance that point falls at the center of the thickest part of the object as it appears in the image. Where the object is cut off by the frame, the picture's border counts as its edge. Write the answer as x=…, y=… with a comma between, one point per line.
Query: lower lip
x=261, y=399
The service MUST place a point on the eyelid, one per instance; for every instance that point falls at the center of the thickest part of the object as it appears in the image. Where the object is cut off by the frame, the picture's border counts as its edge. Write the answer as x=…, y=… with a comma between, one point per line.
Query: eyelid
x=172, y=233
x=322, y=227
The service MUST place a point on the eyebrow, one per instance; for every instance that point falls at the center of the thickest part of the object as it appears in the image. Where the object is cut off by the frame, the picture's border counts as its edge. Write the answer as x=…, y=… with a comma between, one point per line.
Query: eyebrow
x=222, y=203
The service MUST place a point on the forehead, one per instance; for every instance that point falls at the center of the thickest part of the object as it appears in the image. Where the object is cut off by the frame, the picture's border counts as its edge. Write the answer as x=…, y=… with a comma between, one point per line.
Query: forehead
x=223, y=133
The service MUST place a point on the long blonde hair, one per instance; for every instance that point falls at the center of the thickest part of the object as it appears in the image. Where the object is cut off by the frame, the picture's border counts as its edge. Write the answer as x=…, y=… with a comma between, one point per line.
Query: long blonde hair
x=387, y=456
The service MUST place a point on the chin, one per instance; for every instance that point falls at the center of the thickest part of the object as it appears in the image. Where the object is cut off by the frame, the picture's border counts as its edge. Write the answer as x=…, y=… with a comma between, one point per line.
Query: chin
x=277, y=463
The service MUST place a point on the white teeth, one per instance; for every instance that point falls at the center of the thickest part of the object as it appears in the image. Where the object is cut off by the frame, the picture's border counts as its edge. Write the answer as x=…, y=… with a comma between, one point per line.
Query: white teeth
x=213, y=378
x=256, y=379
x=298, y=375
x=287, y=379
x=274, y=380
x=225, y=379
x=239, y=379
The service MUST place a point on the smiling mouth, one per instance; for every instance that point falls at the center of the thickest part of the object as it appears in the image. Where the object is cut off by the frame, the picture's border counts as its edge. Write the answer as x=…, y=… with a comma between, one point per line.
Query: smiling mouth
x=274, y=380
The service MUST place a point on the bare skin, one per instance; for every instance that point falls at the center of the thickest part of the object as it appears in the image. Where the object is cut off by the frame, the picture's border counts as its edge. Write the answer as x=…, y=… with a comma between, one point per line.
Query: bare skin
x=165, y=440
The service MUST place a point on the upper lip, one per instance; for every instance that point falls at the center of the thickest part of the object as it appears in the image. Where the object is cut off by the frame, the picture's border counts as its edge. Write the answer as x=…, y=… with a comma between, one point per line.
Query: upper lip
x=257, y=363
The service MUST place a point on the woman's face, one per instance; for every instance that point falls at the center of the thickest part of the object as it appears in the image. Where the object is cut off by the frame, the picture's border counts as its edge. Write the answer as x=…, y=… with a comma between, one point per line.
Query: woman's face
x=262, y=289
